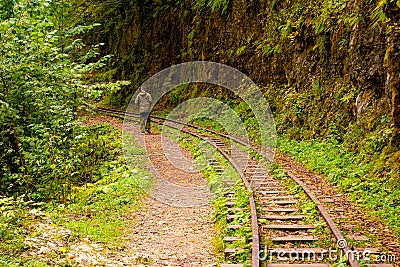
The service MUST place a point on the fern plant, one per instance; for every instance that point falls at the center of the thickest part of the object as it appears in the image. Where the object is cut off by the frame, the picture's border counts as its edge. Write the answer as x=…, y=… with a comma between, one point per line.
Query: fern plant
x=219, y=6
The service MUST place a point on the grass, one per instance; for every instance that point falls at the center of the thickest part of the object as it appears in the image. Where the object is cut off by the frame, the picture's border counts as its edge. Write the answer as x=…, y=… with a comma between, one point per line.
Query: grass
x=99, y=211
x=14, y=226
x=220, y=209
x=371, y=176
x=306, y=207
x=364, y=181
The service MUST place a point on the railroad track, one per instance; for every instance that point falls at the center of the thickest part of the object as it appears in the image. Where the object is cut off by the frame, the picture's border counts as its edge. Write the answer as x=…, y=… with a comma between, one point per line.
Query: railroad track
x=278, y=218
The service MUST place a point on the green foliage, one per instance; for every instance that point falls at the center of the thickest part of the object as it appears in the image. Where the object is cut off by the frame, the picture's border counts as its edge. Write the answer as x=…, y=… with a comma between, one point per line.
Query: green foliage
x=297, y=25
x=7, y=9
x=220, y=6
x=300, y=112
x=12, y=224
x=98, y=211
x=306, y=206
x=220, y=209
x=230, y=125
x=373, y=183
x=378, y=14
x=332, y=12
x=43, y=87
x=219, y=217
x=99, y=207
x=241, y=50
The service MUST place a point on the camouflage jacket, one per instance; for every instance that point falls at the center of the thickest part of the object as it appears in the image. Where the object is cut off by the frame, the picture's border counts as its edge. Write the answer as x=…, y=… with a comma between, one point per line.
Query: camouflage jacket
x=144, y=100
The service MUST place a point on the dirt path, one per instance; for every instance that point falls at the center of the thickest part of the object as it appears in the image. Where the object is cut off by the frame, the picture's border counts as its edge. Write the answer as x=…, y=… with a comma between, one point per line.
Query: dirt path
x=164, y=235
x=170, y=236
x=158, y=234
x=173, y=236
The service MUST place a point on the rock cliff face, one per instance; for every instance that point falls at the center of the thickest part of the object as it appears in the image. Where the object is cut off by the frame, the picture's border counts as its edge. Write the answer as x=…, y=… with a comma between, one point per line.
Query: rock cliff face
x=347, y=44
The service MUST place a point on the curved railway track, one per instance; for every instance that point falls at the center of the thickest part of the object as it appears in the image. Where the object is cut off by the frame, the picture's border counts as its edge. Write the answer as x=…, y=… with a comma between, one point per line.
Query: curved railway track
x=275, y=212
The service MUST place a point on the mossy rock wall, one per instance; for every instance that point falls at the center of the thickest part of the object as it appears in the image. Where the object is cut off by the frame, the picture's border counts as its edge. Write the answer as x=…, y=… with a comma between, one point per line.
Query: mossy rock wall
x=347, y=48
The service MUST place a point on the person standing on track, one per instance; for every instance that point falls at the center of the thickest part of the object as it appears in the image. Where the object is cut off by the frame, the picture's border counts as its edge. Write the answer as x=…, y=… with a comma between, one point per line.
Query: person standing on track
x=144, y=101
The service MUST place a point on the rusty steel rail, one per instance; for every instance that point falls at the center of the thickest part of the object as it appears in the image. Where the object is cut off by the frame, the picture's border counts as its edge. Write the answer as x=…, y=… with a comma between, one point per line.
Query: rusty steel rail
x=255, y=252
x=134, y=115
x=335, y=230
x=255, y=230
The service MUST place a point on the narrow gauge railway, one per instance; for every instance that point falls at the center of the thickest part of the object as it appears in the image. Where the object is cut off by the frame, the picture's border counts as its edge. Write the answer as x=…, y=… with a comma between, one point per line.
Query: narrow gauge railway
x=276, y=215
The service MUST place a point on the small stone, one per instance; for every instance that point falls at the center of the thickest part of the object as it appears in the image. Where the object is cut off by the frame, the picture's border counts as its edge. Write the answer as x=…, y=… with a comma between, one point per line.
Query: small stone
x=44, y=250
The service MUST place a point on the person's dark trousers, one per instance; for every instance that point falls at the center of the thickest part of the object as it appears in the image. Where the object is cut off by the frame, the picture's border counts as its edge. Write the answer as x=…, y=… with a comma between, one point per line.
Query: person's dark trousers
x=144, y=118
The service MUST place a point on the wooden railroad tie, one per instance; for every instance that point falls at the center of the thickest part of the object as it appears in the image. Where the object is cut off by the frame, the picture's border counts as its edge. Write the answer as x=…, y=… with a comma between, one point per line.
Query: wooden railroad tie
x=268, y=188
x=379, y=265
x=272, y=192
x=230, y=217
x=280, y=210
x=232, y=250
x=294, y=238
x=284, y=202
x=283, y=218
x=234, y=226
x=232, y=238
x=327, y=200
x=298, y=265
x=292, y=227
x=277, y=197
x=228, y=182
x=358, y=237
x=370, y=250
x=265, y=185
x=297, y=251
x=336, y=210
